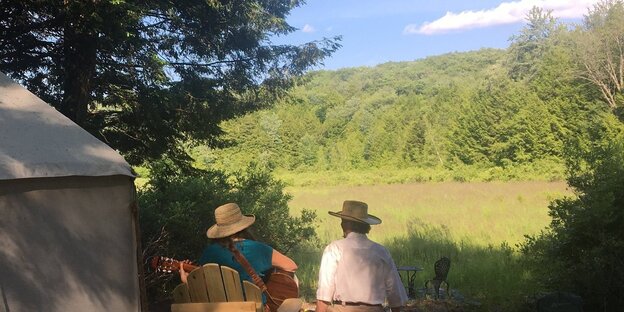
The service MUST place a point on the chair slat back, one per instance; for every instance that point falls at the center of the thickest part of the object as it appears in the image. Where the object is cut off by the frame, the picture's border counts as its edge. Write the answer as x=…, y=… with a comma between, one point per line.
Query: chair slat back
x=197, y=286
x=232, y=284
x=211, y=286
x=253, y=293
x=181, y=294
x=214, y=283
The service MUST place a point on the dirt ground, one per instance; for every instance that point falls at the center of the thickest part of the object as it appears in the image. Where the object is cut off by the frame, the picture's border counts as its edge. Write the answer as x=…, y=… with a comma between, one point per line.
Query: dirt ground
x=429, y=305
x=424, y=305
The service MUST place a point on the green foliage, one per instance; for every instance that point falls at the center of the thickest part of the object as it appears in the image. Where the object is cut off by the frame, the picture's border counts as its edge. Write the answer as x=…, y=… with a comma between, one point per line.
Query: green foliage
x=507, y=124
x=459, y=113
x=147, y=77
x=542, y=170
x=177, y=207
x=257, y=189
x=360, y=118
x=582, y=249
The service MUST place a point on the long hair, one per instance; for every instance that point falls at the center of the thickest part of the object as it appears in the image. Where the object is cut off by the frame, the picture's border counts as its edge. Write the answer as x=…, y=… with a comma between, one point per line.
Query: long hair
x=225, y=241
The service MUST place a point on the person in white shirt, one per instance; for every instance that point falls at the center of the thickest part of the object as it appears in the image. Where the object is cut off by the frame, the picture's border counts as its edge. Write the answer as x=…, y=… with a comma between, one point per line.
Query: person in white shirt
x=357, y=274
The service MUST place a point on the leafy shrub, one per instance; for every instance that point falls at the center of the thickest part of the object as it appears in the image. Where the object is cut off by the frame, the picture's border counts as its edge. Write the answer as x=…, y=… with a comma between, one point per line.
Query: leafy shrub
x=582, y=249
x=177, y=207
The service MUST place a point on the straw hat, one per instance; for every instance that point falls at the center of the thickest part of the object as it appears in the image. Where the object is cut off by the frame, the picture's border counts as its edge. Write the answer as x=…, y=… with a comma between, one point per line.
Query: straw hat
x=229, y=220
x=356, y=211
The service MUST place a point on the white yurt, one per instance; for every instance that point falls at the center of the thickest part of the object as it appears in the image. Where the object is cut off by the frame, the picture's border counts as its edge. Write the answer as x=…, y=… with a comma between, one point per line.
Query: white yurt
x=68, y=219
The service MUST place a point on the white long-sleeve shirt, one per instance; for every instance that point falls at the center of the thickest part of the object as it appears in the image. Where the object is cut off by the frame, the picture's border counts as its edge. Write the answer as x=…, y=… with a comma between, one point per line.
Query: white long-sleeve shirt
x=356, y=269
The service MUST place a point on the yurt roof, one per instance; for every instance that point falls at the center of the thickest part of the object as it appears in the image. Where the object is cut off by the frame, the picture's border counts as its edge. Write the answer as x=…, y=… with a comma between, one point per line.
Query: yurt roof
x=37, y=141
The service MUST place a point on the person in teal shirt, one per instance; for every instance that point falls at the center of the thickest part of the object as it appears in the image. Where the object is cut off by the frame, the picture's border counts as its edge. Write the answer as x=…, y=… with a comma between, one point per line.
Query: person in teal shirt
x=232, y=227
x=259, y=255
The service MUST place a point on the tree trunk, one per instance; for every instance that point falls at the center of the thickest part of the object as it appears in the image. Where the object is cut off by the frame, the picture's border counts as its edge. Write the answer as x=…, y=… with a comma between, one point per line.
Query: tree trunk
x=80, y=48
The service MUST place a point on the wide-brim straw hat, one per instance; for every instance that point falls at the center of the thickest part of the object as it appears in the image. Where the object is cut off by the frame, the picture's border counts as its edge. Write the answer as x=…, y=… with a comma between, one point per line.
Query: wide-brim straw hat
x=230, y=220
x=356, y=211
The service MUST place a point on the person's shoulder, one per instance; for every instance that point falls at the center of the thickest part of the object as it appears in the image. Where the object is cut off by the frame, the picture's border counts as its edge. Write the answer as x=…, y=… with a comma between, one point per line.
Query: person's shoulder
x=381, y=248
x=256, y=244
x=211, y=253
x=213, y=246
x=339, y=241
x=335, y=244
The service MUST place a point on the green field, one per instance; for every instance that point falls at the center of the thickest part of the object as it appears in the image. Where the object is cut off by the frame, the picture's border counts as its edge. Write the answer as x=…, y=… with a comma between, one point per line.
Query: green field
x=476, y=224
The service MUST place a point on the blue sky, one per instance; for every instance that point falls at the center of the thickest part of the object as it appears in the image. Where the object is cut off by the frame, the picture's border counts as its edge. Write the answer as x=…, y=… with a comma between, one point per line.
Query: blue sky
x=378, y=31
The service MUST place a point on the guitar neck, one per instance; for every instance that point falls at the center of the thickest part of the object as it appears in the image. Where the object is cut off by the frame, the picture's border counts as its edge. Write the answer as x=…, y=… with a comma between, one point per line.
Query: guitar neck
x=165, y=264
x=189, y=267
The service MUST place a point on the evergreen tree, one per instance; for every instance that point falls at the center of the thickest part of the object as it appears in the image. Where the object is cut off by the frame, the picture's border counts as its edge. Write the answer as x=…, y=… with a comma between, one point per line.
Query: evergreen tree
x=145, y=76
x=528, y=47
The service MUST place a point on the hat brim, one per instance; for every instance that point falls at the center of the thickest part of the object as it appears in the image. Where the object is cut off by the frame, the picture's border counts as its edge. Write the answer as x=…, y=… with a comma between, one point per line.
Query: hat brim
x=370, y=219
x=221, y=231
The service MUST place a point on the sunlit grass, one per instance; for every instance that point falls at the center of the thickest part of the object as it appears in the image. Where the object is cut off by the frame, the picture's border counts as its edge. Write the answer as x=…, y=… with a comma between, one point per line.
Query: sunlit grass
x=476, y=224
x=484, y=213
x=544, y=171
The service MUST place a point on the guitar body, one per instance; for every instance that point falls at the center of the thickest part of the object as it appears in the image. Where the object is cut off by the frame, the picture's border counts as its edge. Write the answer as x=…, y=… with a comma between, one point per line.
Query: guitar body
x=281, y=286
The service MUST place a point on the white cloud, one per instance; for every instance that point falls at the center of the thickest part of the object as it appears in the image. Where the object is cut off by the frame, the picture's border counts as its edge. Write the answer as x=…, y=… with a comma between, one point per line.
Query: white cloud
x=307, y=28
x=505, y=13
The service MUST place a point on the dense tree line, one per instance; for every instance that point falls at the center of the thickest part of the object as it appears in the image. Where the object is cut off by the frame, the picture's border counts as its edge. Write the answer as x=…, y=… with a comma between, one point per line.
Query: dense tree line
x=487, y=108
x=456, y=109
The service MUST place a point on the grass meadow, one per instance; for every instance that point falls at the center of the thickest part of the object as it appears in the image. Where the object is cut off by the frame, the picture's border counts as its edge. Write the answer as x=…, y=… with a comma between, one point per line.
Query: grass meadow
x=478, y=225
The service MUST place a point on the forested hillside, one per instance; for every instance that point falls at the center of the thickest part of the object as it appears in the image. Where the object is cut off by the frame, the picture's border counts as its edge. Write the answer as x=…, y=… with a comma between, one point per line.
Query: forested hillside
x=502, y=112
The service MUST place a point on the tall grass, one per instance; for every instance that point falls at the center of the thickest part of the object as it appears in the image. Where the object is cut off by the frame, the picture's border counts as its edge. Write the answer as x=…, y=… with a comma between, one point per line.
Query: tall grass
x=477, y=225
x=546, y=170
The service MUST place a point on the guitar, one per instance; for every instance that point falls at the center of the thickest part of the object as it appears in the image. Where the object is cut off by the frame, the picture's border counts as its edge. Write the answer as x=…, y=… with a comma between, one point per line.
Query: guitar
x=279, y=286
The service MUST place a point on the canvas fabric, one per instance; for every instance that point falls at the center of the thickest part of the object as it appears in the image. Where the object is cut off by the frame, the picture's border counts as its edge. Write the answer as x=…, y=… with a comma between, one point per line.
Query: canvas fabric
x=38, y=141
x=68, y=244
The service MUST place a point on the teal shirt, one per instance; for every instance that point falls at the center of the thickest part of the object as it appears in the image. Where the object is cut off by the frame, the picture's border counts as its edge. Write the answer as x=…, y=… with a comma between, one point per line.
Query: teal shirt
x=258, y=254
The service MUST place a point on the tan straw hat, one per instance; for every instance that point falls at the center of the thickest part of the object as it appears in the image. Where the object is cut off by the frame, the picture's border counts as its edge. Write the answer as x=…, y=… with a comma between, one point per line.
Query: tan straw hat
x=356, y=211
x=229, y=220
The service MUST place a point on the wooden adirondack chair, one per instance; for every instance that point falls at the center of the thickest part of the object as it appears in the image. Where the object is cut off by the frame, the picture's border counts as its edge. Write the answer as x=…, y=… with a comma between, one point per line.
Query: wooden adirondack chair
x=214, y=288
